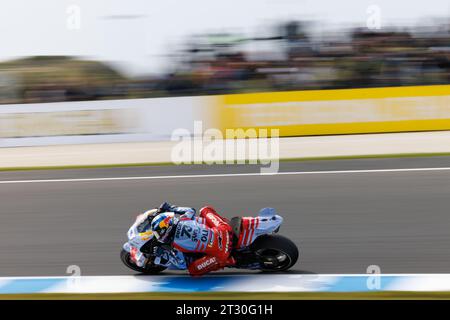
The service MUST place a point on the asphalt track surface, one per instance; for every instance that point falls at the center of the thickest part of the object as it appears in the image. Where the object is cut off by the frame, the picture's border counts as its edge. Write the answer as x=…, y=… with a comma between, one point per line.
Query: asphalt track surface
x=342, y=221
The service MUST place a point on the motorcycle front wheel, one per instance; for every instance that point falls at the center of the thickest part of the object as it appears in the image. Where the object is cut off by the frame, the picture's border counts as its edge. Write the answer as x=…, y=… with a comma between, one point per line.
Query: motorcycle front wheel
x=149, y=269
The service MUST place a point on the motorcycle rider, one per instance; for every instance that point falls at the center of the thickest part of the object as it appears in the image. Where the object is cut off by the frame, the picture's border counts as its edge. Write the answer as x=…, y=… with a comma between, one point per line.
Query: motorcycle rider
x=208, y=233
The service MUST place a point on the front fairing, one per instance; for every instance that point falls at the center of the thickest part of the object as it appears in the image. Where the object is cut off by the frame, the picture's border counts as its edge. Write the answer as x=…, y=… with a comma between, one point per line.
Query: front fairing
x=140, y=232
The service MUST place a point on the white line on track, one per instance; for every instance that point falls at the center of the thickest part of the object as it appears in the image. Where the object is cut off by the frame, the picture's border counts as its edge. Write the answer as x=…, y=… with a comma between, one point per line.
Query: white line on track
x=224, y=175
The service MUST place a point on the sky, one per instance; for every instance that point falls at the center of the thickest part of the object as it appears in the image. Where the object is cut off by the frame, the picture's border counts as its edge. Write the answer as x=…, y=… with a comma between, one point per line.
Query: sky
x=138, y=34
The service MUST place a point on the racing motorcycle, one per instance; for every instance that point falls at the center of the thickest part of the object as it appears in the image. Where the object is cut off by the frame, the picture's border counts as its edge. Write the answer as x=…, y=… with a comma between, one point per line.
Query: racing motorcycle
x=256, y=244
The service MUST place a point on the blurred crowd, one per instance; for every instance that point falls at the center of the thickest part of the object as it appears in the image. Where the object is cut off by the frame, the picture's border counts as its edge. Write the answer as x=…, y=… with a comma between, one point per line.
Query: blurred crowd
x=362, y=58
x=223, y=63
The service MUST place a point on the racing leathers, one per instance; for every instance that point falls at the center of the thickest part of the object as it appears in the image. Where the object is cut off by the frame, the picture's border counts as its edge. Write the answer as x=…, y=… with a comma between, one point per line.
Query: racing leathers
x=207, y=233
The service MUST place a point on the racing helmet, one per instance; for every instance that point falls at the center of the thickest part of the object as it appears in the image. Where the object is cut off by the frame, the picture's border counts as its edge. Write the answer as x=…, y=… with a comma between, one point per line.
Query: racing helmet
x=163, y=224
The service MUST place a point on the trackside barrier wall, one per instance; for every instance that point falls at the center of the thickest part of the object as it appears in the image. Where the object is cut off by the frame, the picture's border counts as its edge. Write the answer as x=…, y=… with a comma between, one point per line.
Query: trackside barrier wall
x=128, y=120
x=297, y=113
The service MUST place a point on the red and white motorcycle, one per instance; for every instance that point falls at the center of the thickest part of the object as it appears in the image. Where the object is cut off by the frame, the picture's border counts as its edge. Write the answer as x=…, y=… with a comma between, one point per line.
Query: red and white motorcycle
x=256, y=244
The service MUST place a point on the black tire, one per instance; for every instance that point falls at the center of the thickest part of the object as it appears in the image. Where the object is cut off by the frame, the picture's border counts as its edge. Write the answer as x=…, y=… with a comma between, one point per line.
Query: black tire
x=150, y=269
x=268, y=245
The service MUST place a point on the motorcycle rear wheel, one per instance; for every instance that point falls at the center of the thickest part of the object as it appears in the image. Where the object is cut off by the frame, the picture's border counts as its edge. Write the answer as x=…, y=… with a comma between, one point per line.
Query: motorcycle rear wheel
x=278, y=253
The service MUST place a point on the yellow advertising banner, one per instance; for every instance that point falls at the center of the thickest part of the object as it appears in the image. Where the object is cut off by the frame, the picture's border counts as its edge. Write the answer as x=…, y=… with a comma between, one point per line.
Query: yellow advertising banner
x=343, y=111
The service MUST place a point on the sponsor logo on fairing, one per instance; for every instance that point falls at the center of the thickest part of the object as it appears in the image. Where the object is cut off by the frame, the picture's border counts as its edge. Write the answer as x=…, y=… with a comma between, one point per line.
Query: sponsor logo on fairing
x=207, y=263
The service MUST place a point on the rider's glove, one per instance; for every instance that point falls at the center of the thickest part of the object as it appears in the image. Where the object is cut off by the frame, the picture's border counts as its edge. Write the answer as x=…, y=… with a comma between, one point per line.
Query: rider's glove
x=162, y=256
x=166, y=257
x=164, y=207
x=157, y=251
